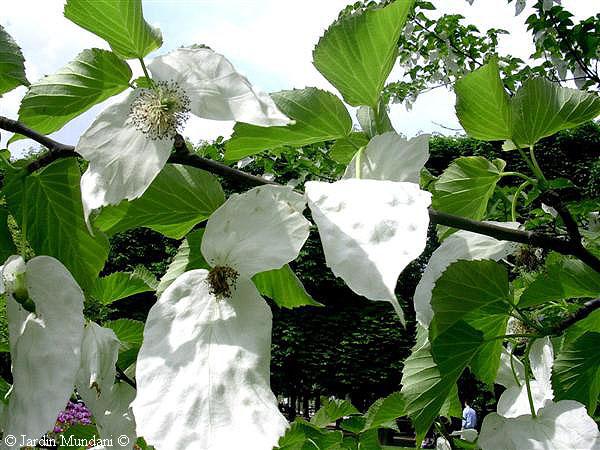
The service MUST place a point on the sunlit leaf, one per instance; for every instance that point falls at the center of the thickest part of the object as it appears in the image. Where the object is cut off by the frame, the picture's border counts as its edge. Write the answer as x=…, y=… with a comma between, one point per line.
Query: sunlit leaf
x=12, y=67
x=178, y=199
x=319, y=116
x=356, y=53
x=92, y=77
x=47, y=207
x=120, y=23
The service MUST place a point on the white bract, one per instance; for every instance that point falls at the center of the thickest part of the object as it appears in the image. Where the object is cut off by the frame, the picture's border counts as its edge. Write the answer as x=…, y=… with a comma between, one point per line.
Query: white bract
x=129, y=142
x=514, y=401
x=390, y=157
x=370, y=231
x=203, y=369
x=563, y=425
x=460, y=245
x=45, y=344
x=108, y=402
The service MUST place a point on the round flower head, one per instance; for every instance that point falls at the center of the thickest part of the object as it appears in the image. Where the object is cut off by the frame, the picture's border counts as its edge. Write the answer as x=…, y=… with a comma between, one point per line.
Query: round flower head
x=212, y=330
x=129, y=142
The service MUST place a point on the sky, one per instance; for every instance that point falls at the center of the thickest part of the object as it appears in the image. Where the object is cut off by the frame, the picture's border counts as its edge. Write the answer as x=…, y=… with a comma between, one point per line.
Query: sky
x=269, y=41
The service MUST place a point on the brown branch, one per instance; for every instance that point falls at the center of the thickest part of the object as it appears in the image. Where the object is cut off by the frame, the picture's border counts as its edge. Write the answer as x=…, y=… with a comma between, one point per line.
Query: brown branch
x=183, y=156
x=121, y=375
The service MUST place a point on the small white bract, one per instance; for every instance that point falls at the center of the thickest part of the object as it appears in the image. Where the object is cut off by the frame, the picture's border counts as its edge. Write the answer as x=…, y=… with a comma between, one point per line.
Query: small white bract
x=563, y=425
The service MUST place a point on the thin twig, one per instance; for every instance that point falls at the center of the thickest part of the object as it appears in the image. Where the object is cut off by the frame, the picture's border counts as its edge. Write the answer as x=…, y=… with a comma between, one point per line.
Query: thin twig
x=122, y=376
x=588, y=308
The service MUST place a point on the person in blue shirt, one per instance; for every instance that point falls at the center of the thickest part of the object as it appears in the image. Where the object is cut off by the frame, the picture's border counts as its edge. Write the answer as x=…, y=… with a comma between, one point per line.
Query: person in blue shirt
x=469, y=417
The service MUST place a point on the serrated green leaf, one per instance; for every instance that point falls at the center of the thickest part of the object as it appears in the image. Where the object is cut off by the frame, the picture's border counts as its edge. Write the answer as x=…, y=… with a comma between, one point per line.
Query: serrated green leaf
x=427, y=383
x=319, y=116
x=541, y=108
x=332, y=410
x=7, y=246
x=383, y=412
x=303, y=435
x=357, y=53
x=120, y=23
x=564, y=278
x=344, y=148
x=576, y=371
x=188, y=257
x=482, y=104
x=179, y=198
x=117, y=286
x=47, y=207
x=92, y=77
x=284, y=287
x=130, y=332
x=465, y=188
x=477, y=293
x=12, y=64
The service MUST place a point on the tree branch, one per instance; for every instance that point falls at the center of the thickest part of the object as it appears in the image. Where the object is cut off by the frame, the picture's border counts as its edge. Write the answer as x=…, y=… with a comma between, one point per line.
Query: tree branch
x=588, y=308
x=182, y=155
x=20, y=128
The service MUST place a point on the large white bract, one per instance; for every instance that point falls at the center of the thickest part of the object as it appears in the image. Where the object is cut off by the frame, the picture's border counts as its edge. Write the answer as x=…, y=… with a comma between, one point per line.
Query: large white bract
x=557, y=426
x=203, y=369
x=45, y=345
x=370, y=231
x=108, y=401
x=129, y=142
x=460, y=245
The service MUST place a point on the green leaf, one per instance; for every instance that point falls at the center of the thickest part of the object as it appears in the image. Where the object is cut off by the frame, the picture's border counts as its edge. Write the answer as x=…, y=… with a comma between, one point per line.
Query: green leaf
x=92, y=77
x=4, y=389
x=564, y=278
x=384, y=412
x=344, y=148
x=188, y=257
x=179, y=198
x=427, y=383
x=120, y=23
x=319, y=115
x=12, y=67
x=332, y=410
x=353, y=424
x=302, y=435
x=7, y=246
x=357, y=53
x=369, y=440
x=465, y=188
x=482, y=104
x=77, y=433
x=541, y=108
x=117, y=286
x=130, y=332
x=374, y=122
x=47, y=207
x=576, y=371
x=476, y=293
x=284, y=287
